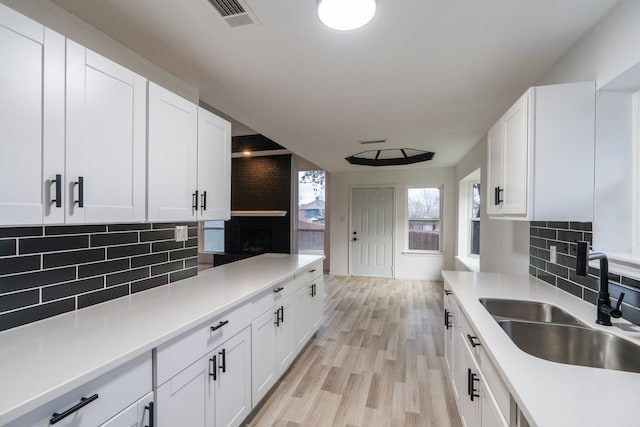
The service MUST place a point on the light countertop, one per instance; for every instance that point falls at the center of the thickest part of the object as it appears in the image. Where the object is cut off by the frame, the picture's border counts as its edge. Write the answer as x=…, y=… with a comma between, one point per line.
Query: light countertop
x=43, y=360
x=549, y=394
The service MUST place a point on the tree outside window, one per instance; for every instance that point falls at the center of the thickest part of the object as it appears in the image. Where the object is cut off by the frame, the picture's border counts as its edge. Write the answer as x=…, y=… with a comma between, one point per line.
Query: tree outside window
x=424, y=211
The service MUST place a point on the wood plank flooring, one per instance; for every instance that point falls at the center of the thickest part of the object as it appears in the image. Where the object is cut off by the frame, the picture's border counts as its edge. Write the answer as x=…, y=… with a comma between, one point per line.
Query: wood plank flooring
x=377, y=361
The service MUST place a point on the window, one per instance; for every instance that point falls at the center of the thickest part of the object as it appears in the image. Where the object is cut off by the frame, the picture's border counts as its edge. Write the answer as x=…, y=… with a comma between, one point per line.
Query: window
x=311, y=211
x=424, y=210
x=474, y=219
x=213, y=232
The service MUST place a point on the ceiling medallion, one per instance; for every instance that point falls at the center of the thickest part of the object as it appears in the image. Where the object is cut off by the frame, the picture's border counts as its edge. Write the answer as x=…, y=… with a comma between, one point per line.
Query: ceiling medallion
x=390, y=157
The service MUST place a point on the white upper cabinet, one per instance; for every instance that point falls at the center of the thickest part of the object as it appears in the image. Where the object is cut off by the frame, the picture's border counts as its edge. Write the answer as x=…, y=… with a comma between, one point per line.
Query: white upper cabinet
x=214, y=166
x=172, y=156
x=31, y=119
x=105, y=145
x=540, y=156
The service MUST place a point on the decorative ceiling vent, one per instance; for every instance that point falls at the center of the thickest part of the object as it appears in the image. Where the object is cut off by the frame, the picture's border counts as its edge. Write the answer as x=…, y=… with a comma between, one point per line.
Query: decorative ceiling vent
x=390, y=157
x=234, y=12
x=373, y=141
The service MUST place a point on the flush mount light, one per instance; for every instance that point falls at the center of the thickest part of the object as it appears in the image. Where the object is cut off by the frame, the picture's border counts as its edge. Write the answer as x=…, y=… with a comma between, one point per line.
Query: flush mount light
x=390, y=157
x=346, y=15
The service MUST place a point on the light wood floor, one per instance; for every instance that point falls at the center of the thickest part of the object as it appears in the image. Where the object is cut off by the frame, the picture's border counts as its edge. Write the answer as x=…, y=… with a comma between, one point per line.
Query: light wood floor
x=376, y=361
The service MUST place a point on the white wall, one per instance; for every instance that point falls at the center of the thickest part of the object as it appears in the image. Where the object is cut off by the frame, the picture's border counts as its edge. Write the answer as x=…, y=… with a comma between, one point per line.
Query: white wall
x=504, y=245
x=72, y=27
x=406, y=266
x=607, y=50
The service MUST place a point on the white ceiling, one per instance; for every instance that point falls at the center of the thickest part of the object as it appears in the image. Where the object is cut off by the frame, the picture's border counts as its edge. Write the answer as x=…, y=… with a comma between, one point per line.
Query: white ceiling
x=425, y=74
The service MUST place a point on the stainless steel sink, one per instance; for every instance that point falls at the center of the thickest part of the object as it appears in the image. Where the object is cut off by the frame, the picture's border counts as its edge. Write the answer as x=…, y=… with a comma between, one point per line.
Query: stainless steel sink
x=532, y=311
x=574, y=345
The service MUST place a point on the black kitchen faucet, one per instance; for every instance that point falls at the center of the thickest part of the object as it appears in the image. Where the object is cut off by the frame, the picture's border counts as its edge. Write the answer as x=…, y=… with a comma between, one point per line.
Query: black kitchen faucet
x=604, y=310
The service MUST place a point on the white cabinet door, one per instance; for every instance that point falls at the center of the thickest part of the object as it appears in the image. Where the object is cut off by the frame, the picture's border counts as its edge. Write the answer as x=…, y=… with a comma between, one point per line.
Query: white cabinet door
x=516, y=157
x=317, y=301
x=136, y=415
x=286, y=346
x=106, y=135
x=489, y=412
x=187, y=399
x=469, y=403
x=214, y=166
x=31, y=119
x=495, y=166
x=264, y=366
x=233, y=380
x=301, y=315
x=172, y=156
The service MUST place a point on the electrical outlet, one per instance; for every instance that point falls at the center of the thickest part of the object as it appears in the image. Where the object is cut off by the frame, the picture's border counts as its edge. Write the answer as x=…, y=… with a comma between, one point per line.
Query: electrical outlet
x=181, y=233
x=553, y=255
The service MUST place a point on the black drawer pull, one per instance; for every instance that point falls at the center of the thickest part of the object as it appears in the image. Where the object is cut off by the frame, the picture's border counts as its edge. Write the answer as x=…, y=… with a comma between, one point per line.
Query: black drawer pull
x=447, y=319
x=219, y=325
x=312, y=271
x=277, y=314
x=472, y=387
x=203, y=201
x=194, y=200
x=56, y=417
x=58, y=200
x=277, y=290
x=473, y=340
x=447, y=292
x=281, y=314
x=150, y=408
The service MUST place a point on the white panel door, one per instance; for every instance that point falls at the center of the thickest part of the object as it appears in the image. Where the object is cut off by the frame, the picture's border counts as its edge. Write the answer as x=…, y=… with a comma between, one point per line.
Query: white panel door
x=214, y=167
x=233, y=382
x=516, y=155
x=372, y=232
x=264, y=367
x=285, y=342
x=172, y=156
x=187, y=399
x=301, y=312
x=106, y=133
x=31, y=119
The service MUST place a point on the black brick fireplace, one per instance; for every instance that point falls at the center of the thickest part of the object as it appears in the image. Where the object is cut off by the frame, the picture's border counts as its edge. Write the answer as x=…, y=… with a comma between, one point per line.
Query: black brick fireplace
x=260, y=186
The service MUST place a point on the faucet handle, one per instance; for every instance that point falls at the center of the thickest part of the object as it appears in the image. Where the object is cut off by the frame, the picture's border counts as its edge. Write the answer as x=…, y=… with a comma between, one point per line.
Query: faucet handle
x=617, y=312
x=582, y=258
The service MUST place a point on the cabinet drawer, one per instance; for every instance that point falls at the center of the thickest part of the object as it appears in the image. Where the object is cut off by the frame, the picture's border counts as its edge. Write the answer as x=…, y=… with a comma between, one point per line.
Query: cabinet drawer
x=269, y=298
x=470, y=337
x=310, y=273
x=115, y=391
x=175, y=355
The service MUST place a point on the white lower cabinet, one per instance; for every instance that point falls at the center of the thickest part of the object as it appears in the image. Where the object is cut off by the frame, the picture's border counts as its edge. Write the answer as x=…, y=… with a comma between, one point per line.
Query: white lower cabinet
x=213, y=391
x=109, y=400
x=482, y=398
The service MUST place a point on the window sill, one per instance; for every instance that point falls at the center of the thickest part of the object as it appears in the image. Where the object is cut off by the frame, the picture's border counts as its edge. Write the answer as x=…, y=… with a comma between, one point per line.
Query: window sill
x=472, y=264
x=624, y=263
x=431, y=253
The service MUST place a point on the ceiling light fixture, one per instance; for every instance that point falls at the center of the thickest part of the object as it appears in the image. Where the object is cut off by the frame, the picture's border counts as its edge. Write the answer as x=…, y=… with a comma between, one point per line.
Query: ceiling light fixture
x=346, y=15
x=390, y=157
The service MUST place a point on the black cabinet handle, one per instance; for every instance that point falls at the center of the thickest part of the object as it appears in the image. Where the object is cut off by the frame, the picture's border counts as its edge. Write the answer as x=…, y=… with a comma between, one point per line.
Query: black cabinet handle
x=219, y=325
x=56, y=417
x=203, y=201
x=277, y=315
x=213, y=368
x=223, y=359
x=277, y=290
x=281, y=314
x=194, y=200
x=312, y=271
x=473, y=379
x=58, y=200
x=497, y=192
x=151, y=410
x=473, y=340
x=80, y=184
x=447, y=292
x=447, y=318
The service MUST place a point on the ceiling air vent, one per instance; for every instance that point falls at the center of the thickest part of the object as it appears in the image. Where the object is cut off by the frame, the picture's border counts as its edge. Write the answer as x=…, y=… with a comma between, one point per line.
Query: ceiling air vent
x=234, y=12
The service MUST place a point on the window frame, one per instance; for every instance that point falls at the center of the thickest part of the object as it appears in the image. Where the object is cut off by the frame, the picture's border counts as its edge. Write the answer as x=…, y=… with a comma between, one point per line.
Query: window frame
x=471, y=219
x=440, y=220
x=201, y=231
